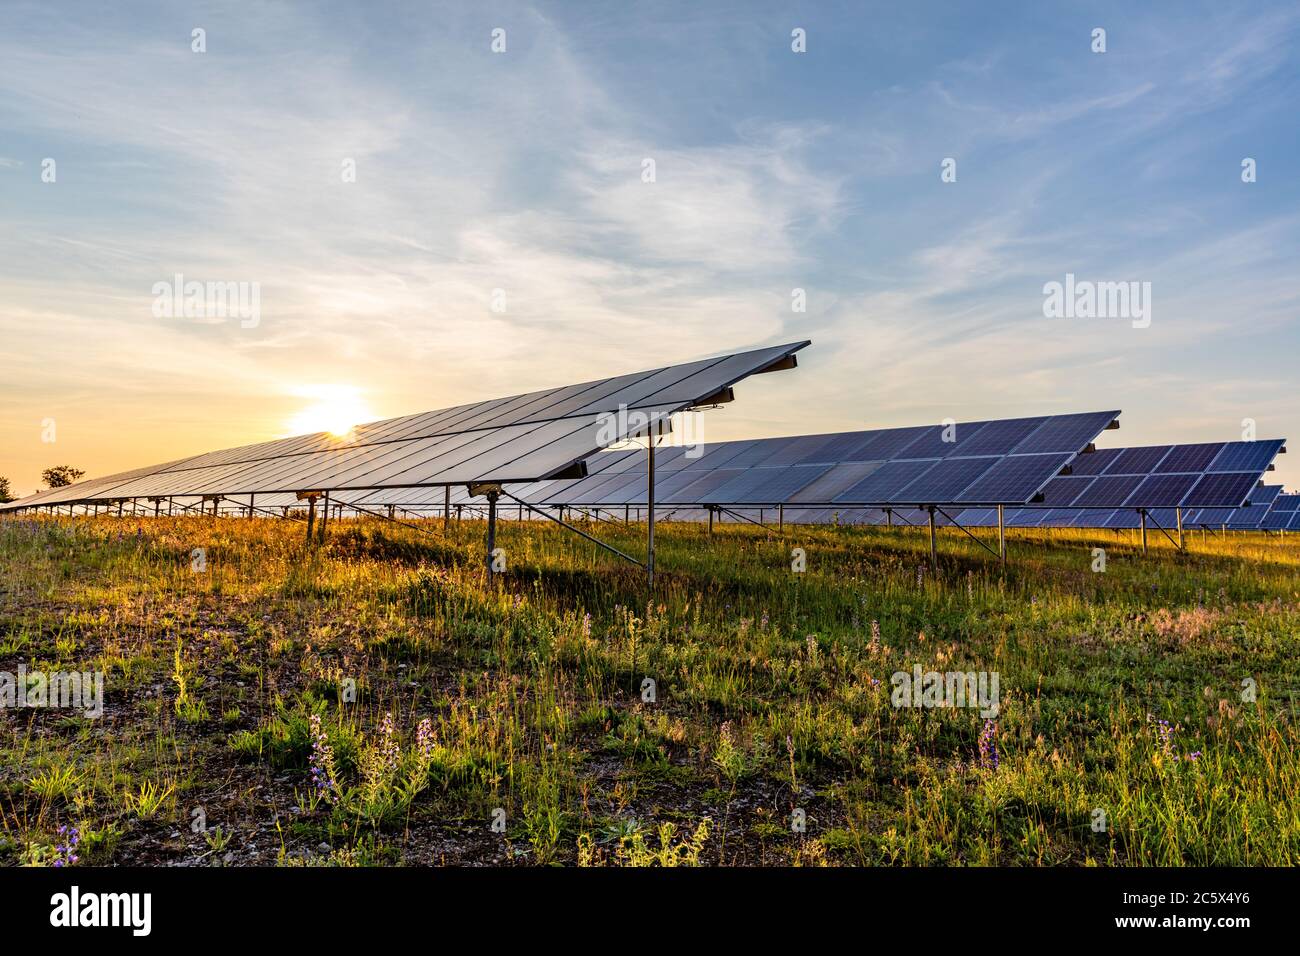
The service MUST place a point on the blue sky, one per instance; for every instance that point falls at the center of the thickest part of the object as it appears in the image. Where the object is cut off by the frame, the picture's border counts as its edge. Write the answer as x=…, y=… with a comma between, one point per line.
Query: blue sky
x=522, y=171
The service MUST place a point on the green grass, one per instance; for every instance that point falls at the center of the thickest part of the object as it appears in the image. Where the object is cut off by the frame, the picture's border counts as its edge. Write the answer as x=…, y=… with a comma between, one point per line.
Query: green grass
x=771, y=704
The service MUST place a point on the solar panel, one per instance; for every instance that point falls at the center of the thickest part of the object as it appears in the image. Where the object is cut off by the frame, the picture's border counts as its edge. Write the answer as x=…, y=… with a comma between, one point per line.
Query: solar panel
x=1138, y=461
x=853, y=457
x=1064, y=433
x=521, y=438
x=1189, y=458
x=945, y=481
x=885, y=482
x=836, y=481
x=1094, y=462
x=1014, y=479
x=765, y=485
x=1246, y=456
x=1230, y=489
x=1160, y=490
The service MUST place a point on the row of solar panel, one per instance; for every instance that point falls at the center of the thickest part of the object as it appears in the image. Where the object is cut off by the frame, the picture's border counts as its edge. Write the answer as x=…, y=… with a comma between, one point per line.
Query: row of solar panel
x=997, y=462
x=723, y=474
x=517, y=439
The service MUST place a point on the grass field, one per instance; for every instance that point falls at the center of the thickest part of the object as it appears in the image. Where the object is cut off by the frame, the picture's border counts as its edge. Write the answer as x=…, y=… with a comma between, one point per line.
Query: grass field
x=372, y=703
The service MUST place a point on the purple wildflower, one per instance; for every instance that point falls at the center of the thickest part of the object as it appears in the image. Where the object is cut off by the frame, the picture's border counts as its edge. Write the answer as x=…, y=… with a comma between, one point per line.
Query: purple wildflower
x=322, y=761
x=65, y=853
x=989, y=745
x=424, y=738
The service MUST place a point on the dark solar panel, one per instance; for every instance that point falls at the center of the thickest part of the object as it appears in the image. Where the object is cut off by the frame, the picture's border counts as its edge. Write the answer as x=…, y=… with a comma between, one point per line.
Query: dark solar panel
x=1095, y=462
x=1286, y=503
x=1277, y=520
x=697, y=490
x=1138, y=461
x=838, y=449
x=1189, y=457
x=1228, y=489
x=764, y=485
x=1107, y=492
x=887, y=444
x=1014, y=479
x=883, y=484
x=1246, y=456
x=1001, y=438
x=1062, y=491
x=793, y=450
x=944, y=481
x=755, y=453
x=941, y=441
x=1065, y=433
x=836, y=481
x=1160, y=491
x=1213, y=516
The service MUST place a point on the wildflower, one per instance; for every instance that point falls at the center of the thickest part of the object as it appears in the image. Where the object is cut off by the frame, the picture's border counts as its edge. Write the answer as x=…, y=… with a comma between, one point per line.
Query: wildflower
x=874, y=646
x=65, y=853
x=424, y=738
x=322, y=761
x=389, y=750
x=586, y=626
x=989, y=746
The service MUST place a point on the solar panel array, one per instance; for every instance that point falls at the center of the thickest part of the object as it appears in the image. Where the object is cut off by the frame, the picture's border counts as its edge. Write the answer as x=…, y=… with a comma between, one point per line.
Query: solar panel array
x=516, y=439
x=989, y=462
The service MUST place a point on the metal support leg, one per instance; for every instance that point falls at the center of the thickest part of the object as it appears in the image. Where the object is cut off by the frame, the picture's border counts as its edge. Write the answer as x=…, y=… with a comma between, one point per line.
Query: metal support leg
x=1002, y=537
x=650, y=525
x=1179, y=512
x=780, y=517
x=324, y=516
x=311, y=518
x=889, y=517
x=446, y=508
x=934, y=544
x=1143, y=513
x=251, y=500
x=491, y=537
x=710, y=522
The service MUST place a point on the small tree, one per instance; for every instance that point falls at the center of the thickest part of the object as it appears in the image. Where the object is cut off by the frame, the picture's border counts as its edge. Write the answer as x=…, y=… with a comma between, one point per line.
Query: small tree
x=60, y=476
x=6, y=493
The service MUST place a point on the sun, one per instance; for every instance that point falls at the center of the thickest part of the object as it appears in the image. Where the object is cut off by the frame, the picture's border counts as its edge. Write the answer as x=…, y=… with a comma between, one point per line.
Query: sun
x=336, y=409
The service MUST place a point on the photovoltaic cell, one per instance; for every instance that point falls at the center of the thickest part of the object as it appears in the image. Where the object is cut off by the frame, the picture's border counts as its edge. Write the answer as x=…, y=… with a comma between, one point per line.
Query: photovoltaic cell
x=884, y=483
x=1094, y=462
x=1189, y=458
x=1229, y=489
x=1014, y=479
x=1002, y=437
x=1246, y=456
x=1064, y=433
x=946, y=480
x=1160, y=490
x=1138, y=461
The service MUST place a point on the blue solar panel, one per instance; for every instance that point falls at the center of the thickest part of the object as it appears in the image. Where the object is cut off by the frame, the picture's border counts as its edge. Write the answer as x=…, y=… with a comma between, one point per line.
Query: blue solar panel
x=1138, y=461
x=1094, y=463
x=884, y=483
x=1228, y=489
x=1246, y=456
x=840, y=448
x=1189, y=457
x=944, y=481
x=836, y=481
x=696, y=491
x=1160, y=491
x=1063, y=491
x=941, y=441
x=1069, y=433
x=1286, y=503
x=1001, y=438
x=887, y=444
x=764, y=485
x=1107, y=492
x=1014, y=479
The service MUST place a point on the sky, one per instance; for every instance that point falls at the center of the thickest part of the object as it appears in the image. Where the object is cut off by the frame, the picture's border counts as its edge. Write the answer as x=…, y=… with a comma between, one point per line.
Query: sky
x=428, y=221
